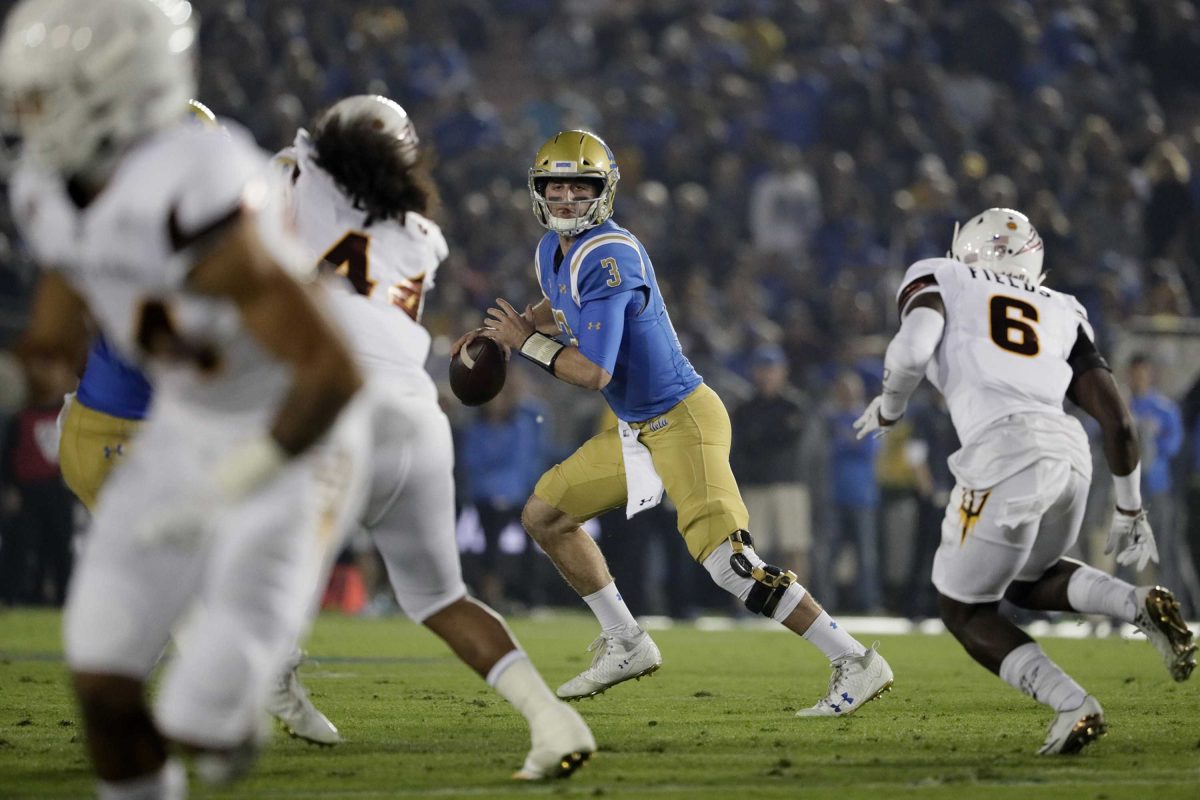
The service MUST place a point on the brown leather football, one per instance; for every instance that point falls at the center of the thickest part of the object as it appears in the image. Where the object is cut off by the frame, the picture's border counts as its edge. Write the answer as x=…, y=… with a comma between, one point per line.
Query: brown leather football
x=477, y=372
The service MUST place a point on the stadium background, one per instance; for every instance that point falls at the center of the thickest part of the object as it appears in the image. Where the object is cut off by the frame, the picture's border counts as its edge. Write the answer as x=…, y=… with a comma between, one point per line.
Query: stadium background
x=783, y=162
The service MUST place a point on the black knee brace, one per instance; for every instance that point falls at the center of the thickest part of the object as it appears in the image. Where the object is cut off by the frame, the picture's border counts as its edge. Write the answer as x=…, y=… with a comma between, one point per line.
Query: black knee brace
x=770, y=583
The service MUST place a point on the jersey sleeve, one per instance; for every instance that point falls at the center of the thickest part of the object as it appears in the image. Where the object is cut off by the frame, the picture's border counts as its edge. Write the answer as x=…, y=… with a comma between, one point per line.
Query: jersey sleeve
x=609, y=265
x=226, y=174
x=602, y=325
x=1081, y=316
x=920, y=278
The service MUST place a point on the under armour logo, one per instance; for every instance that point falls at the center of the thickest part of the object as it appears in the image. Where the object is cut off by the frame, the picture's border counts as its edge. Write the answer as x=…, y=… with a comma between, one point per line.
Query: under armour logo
x=623, y=664
x=562, y=288
x=833, y=624
x=593, y=326
x=109, y=452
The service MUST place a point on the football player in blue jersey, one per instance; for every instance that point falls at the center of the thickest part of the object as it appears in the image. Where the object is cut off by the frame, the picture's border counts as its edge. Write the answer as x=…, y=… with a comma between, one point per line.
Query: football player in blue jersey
x=601, y=324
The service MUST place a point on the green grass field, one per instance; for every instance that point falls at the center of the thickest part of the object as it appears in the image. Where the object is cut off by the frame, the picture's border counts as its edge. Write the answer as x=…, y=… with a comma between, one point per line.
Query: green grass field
x=716, y=722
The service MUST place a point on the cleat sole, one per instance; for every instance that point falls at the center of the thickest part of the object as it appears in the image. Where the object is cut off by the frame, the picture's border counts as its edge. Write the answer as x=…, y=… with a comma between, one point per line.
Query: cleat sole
x=1164, y=612
x=643, y=674
x=1086, y=731
x=567, y=766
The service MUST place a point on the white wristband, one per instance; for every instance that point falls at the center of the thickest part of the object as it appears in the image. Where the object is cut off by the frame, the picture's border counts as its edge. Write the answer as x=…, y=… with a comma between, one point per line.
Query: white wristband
x=1127, y=490
x=14, y=386
x=249, y=465
x=541, y=350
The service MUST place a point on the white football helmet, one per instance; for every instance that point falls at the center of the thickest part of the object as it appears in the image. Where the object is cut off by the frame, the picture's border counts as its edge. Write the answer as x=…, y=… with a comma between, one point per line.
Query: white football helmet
x=388, y=115
x=1001, y=240
x=81, y=80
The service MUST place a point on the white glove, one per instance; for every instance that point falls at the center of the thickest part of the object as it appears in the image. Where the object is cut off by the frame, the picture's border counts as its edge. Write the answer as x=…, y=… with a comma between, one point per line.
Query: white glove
x=869, y=421
x=1133, y=540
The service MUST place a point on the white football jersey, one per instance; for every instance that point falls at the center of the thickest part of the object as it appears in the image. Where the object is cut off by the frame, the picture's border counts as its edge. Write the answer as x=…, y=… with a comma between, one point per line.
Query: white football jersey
x=129, y=251
x=387, y=266
x=1002, y=367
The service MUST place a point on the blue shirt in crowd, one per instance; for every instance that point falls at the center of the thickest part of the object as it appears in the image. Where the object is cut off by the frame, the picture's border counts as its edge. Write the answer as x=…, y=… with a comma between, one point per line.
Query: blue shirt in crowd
x=852, y=462
x=502, y=459
x=1159, y=415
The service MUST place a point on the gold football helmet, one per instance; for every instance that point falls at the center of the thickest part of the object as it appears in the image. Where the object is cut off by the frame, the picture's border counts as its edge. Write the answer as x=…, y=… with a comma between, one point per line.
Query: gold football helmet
x=574, y=154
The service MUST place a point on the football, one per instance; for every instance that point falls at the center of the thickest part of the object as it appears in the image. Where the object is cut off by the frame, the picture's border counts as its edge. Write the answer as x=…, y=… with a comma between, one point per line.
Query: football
x=477, y=372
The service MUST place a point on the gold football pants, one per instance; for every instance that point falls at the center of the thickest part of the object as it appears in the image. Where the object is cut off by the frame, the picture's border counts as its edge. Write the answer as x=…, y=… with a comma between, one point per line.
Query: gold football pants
x=690, y=448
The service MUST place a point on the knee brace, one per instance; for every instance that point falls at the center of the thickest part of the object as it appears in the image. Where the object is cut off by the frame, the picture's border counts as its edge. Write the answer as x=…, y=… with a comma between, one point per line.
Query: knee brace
x=765, y=589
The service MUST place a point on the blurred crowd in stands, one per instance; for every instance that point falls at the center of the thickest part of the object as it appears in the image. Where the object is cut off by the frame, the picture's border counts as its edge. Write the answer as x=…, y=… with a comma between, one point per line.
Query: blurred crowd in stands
x=783, y=161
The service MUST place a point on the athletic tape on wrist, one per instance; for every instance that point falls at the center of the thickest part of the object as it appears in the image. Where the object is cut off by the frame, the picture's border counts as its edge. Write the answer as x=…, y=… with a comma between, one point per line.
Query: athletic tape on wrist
x=541, y=350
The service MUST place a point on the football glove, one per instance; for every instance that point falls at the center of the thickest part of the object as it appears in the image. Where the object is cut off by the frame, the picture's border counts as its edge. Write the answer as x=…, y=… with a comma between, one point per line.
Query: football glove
x=1133, y=540
x=869, y=421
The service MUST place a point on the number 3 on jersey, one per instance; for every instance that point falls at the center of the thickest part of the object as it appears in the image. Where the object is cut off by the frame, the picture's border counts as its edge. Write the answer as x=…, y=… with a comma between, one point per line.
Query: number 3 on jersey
x=1010, y=320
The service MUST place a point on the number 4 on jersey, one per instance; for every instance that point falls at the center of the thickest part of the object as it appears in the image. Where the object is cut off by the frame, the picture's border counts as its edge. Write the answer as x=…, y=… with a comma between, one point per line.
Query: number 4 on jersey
x=351, y=258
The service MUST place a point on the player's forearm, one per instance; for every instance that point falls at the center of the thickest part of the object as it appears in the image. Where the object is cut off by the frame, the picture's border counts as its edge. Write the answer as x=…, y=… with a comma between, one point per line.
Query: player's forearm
x=573, y=367
x=908, y=355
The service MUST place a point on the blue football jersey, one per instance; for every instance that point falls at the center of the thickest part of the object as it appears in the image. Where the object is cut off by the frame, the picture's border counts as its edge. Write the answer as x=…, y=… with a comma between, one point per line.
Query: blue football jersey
x=607, y=303
x=112, y=386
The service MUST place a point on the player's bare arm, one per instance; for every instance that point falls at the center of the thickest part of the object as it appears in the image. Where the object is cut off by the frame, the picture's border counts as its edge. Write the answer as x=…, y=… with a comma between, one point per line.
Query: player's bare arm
x=47, y=360
x=514, y=330
x=1096, y=392
x=285, y=320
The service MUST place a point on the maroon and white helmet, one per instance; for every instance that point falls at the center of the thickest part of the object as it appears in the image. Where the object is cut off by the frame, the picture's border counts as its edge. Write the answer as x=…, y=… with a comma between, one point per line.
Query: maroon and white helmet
x=1001, y=240
x=388, y=115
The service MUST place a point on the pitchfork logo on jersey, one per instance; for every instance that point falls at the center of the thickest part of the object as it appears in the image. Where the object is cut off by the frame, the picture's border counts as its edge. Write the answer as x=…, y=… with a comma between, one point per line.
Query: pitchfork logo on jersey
x=970, y=509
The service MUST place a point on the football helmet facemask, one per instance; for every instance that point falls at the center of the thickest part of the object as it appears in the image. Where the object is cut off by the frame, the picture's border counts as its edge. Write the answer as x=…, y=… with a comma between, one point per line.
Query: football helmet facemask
x=387, y=115
x=1001, y=240
x=81, y=80
x=568, y=155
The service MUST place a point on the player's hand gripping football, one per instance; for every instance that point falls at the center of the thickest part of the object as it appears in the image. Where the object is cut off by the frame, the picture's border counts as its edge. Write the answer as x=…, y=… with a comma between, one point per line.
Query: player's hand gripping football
x=872, y=421
x=1131, y=537
x=507, y=326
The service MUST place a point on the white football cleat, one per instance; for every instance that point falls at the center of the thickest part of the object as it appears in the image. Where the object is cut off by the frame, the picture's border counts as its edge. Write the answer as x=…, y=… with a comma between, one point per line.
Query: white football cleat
x=1071, y=731
x=289, y=704
x=562, y=743
x=1158, y=617
x=618, y=658
x=856, y=681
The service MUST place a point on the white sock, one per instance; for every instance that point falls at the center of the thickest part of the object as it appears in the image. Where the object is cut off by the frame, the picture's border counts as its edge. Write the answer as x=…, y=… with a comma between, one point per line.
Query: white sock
x=1029, y=670
x=169, y=783
x=518, y=682
x=831, y=639
x=610, y=609
x=1090, y=591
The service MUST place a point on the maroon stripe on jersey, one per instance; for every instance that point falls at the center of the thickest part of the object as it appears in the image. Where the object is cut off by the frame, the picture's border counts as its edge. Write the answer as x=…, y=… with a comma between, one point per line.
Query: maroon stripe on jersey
x=923, y=282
